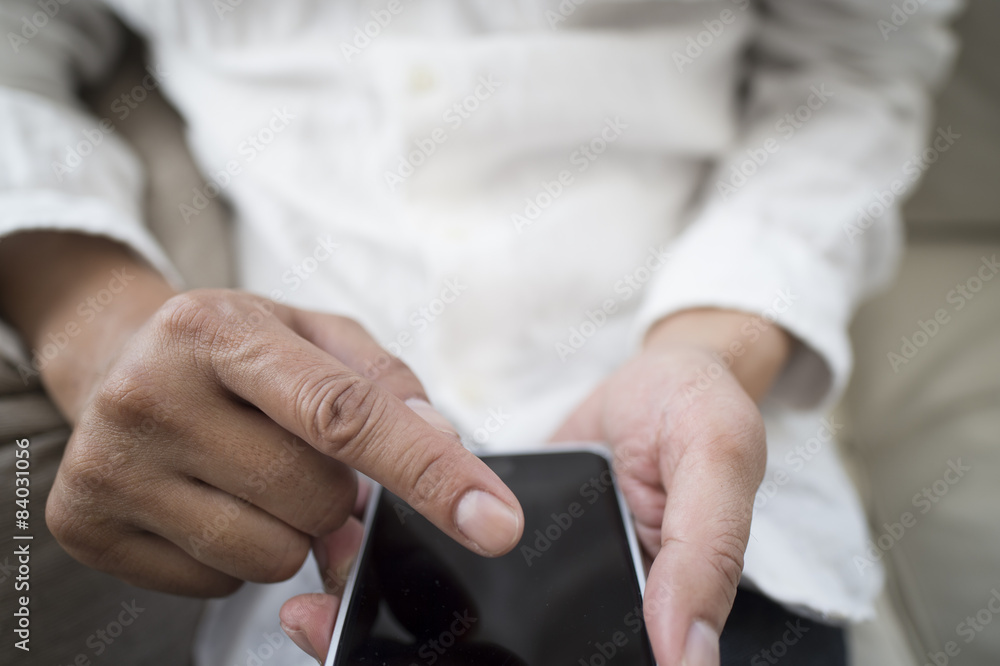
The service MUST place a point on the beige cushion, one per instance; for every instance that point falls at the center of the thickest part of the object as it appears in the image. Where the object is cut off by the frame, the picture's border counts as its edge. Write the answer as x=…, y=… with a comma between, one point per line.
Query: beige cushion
x=908, y=425
x=201, y=251
x=961, y=189
x=71, y=602
x=904, y=427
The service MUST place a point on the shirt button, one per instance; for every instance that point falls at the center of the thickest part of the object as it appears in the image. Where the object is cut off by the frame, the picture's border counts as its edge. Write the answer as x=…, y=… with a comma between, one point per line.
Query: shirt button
x=469, y=391
x=421, y=79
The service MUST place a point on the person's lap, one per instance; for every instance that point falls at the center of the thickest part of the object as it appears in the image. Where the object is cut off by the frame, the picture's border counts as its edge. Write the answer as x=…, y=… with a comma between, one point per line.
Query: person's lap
x=78, y=615
x=77, y=611
x=760, y=631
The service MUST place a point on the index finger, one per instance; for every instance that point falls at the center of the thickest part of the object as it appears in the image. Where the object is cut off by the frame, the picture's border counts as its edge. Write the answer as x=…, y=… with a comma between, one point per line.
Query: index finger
x=343, y=415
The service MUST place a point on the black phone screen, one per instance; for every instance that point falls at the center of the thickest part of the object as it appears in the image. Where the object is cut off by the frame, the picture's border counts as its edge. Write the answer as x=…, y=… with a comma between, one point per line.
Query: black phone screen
x=567, y=595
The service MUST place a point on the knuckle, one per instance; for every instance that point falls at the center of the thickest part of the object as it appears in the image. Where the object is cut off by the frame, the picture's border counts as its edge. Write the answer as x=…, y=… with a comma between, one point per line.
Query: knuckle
x=129, y=396
x=744, y=443
x=726, y=557
x=430, y=480
x=192, y=314
x=334, y=509
x=215, y=325
x=90, y=469
x=730, y=434
x=60, y=519
x=87, y=480
x=339, y=410
x=75, y=530
x=282, y=565
x=111, y=556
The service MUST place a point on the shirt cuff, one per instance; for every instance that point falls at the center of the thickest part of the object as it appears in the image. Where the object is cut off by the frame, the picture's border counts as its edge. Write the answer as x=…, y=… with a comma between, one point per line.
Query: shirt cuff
x=49, y=210
x=740, y=265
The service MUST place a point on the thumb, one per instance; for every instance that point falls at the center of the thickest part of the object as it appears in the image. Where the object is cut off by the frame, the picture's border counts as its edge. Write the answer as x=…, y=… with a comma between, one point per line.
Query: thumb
x=308, y=619
x=706, y=526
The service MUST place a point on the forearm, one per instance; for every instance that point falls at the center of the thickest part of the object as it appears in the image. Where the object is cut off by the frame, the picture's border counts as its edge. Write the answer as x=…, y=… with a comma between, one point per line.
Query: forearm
x=753, y=349
x=75, y=300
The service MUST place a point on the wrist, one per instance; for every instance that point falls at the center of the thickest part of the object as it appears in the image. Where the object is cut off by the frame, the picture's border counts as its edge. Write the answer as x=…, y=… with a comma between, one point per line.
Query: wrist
x=77, y=346
x=753, y=349
x=76, y=301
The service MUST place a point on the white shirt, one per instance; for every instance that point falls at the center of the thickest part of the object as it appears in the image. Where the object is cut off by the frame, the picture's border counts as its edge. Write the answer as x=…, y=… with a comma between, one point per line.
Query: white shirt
x=508, y=194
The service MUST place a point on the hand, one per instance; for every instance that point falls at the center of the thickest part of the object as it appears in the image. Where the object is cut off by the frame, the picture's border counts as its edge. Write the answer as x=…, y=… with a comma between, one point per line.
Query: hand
x=703, y=446
x=690, y=450
x=217, y=435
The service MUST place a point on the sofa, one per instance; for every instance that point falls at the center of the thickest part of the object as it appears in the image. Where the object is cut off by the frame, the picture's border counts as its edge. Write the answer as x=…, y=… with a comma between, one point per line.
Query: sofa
x=922, y=414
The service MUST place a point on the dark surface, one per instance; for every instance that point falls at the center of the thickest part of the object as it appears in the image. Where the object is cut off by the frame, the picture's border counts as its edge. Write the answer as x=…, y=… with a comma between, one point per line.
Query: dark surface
x=78, y=615
x=760, y=632
x=558, y=599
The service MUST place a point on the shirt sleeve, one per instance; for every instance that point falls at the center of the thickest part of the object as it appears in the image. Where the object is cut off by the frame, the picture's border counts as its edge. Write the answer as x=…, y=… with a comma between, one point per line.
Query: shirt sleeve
x=800, y=220
x=61, y=167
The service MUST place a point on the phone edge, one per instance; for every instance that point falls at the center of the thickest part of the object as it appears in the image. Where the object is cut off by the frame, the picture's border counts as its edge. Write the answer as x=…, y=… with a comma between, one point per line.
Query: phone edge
x=345, y=599
x=376, y=493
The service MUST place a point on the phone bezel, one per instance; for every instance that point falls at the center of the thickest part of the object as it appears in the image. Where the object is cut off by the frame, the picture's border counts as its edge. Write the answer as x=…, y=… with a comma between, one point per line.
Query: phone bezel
x=376, y=493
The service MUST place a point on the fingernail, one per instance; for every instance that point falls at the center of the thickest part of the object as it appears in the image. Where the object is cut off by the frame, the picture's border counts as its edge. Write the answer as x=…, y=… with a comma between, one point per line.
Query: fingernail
x=488, y=522
x=702, y=647
x=425, y=411
x=299, y=638
x=340, y=576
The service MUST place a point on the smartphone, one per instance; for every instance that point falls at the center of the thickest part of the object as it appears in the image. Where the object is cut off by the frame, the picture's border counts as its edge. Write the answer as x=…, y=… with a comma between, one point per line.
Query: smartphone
x=569, y=594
